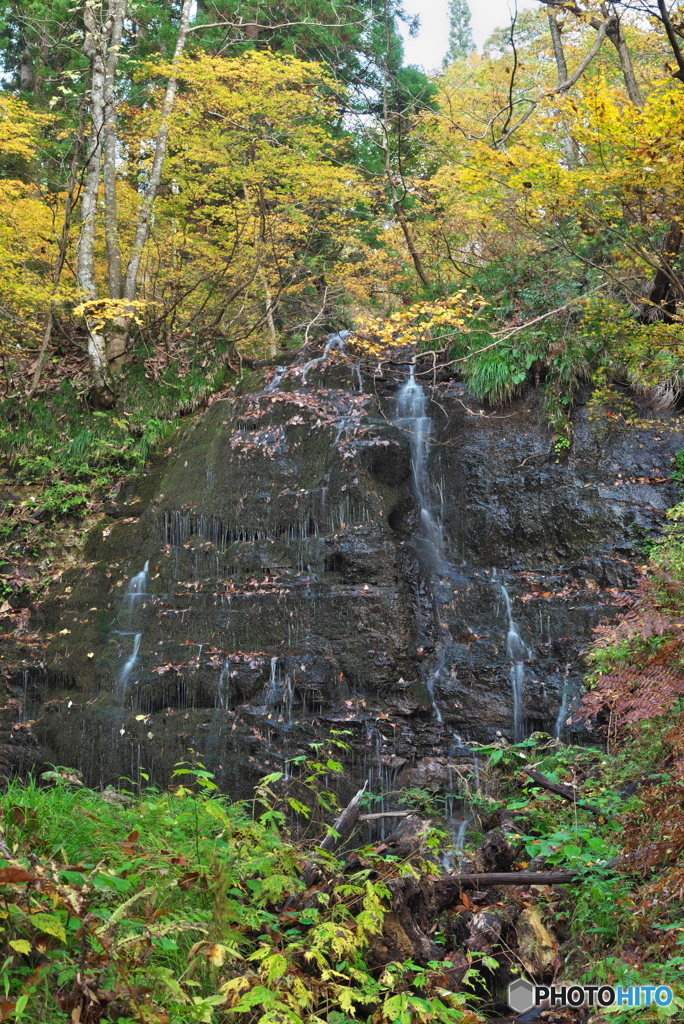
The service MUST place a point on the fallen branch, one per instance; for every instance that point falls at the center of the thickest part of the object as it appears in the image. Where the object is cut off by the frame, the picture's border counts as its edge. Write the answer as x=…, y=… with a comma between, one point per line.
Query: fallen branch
x=342, y=826
x=384, y=814
x=566, y=792
x=345, y=822
x=467, y=881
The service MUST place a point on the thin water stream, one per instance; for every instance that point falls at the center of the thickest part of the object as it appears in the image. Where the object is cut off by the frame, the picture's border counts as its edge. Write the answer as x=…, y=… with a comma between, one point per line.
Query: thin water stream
x=137, y=589
x=519, y=653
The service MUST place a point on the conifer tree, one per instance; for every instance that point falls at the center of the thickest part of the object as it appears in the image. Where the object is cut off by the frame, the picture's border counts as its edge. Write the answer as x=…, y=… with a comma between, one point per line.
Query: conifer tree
x=460, y=32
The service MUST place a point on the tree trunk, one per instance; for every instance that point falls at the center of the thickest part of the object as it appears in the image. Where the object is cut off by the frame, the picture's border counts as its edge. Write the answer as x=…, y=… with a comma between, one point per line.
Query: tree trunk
x=61, y=252
x=117, y=11
x=144, y=223
x=273, y=347
x=613, y=29
x=343, y=825
x=558, y=52
x=85, y=263
x=673, y=40
x=117, y=334
x=569, y=144
x=666, y=288
x=617, y=38
x=396, y=202
x=566, y=792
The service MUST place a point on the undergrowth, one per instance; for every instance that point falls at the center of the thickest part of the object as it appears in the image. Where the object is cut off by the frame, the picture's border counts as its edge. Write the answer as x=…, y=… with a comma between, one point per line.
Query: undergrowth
x=623, y=917
x=180, y=906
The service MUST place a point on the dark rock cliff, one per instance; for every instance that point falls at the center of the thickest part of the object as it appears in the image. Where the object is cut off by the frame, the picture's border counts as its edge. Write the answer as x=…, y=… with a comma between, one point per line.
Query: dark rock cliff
x=279, y=581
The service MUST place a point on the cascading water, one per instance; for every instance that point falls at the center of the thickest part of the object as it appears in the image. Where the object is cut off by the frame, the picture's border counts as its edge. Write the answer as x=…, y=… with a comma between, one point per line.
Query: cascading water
x=566, y=696
x=519, y=653
x=281, y=691
x=223, y=691
x=333, y=341
x=431, y=684
x=129, y=665
x=137, y=588
x=412, y=417
x=275, y=382
x=334, y=555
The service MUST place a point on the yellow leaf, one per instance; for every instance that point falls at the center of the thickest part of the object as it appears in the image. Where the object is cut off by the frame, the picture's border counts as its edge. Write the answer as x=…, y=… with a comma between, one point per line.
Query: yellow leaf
x=21, y=946
x=216, y=954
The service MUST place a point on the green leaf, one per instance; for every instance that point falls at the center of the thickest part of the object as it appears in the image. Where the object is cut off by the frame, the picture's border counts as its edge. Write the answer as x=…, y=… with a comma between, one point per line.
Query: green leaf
x=299, y=807
x=273, y=777
x=50, y=924
x=257, y=996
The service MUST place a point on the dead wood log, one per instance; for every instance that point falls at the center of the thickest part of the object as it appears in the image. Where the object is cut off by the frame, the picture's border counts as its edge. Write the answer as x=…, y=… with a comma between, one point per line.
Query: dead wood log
x=566, y=792
x=408, y=838
x=384, y=814
x=446, y=889
x=345, y=822
x=342, y=826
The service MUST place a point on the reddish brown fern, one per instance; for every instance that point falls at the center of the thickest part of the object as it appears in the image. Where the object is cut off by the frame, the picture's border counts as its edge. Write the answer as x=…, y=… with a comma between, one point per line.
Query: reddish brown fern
x=653, y=681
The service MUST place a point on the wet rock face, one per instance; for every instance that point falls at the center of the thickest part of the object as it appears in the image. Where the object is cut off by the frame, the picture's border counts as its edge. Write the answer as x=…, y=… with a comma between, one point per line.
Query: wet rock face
x=293, y=572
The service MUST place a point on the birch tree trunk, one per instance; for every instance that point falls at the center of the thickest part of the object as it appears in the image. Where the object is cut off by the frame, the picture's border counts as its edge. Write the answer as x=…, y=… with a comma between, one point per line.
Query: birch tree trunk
x=85, y=260
x=116, y=336
x=117, y=12
x=118, y=339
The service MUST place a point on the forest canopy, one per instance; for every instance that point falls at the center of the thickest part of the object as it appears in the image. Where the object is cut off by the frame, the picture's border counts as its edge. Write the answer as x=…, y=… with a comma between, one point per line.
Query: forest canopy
x=191, y=186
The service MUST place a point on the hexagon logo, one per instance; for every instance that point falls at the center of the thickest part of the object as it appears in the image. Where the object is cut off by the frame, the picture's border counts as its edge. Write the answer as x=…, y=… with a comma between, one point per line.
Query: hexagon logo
x=521, y=995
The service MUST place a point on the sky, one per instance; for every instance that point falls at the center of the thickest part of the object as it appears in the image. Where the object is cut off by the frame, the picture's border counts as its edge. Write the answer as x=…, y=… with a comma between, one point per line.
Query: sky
x=429, y=47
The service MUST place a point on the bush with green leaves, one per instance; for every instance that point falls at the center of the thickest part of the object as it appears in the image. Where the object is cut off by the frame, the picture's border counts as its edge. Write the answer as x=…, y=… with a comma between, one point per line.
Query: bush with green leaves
x=171, y=907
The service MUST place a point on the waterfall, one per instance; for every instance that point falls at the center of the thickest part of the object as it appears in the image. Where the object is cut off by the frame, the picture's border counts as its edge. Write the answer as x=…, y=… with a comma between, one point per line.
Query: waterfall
x=137, y=588
x=223, y=692
x=431, y=689
x=24, y=703
x=565, y=702
x=412, y=417
x=333, y=341
x=275, y=382
x=452, y=858
x=459, y=839
x=281, y=691
x=130, y=664
x=518, y=654
x=476, y=772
